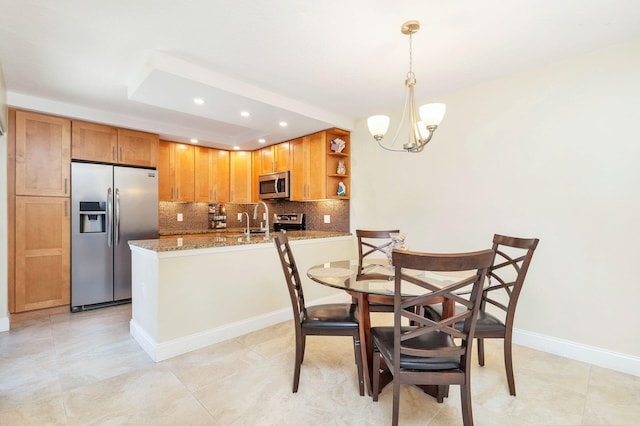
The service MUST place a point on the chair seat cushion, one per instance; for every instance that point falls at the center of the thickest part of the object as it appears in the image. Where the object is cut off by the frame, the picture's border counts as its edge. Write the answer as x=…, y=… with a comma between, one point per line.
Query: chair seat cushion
x=486, y=324
x=383, y=340
x=331, y=315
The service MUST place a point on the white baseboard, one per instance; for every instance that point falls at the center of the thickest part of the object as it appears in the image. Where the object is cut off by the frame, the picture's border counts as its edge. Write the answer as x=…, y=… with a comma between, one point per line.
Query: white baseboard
x=566, y=348
x=4, y=324
x=165, y=350
x=601, y=357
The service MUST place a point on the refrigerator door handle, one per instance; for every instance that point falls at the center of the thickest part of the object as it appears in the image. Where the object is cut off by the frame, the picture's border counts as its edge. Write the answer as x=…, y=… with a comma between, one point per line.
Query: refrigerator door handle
x=109, y=218
x=117, y=214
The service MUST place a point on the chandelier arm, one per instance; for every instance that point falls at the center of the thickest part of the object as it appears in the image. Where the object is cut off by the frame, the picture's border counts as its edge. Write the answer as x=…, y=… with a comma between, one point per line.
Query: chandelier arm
x=400, y=124
x=423, y=143
x=389, y=149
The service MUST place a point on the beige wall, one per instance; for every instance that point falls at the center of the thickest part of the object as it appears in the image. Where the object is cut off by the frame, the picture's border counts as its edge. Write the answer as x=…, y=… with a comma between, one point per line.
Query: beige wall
x=4, y=320
x=552, y=153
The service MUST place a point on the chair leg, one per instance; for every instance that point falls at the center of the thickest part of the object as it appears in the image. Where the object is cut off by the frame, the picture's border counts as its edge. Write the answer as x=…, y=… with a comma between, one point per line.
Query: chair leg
x=396, y=401
x=300, y=340
x=508, y=364
x=465, y=399
x=376, y=375
x=480, y=351
x=358, y=354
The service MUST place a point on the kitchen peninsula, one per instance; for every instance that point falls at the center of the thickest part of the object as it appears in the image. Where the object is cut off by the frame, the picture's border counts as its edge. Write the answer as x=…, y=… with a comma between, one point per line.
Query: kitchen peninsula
x=188, y=293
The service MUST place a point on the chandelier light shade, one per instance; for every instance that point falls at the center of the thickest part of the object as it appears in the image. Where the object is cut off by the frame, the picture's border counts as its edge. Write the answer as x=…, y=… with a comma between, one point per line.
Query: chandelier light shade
x=420, y=129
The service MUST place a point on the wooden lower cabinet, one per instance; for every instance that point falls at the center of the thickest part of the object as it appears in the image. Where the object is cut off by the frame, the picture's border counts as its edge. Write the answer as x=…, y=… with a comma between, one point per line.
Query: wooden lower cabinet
x=42, y=252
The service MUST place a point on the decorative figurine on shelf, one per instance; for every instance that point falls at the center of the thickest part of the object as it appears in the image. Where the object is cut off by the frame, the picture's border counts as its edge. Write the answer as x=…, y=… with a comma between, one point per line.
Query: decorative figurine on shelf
x=342, y=190
x=337, y=145
x=342, y=169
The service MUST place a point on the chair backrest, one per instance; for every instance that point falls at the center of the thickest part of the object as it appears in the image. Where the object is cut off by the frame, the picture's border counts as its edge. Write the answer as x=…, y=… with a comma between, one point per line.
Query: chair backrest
x=372, y=242
x=464, y=291
x=291, y=276
x=507, y=273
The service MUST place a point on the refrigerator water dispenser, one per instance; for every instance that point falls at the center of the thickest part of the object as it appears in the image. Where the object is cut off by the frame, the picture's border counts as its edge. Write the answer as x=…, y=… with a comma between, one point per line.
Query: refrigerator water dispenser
x=92, y=217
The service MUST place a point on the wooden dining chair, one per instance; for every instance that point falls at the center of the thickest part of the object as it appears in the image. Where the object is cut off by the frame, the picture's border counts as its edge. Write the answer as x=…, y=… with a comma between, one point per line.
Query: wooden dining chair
x=374, y=243
x=426, y=353
x=506, y=278
x=336, y=319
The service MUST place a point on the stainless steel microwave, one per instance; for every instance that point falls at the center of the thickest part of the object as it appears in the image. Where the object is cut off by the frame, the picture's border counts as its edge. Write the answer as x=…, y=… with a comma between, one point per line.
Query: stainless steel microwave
x=274, y=186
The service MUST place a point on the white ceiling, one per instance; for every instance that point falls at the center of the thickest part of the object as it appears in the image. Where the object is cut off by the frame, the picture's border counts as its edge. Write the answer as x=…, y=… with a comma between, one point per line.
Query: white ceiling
x=314, y=64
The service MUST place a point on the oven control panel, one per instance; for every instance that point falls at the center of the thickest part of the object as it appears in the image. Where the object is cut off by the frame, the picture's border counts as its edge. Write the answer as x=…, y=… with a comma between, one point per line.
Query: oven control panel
x=290, y=221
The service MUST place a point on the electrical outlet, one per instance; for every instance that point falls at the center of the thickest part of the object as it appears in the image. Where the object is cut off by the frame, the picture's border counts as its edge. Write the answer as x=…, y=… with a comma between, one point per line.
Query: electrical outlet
x=327, y=218
x=179, y=217
x=239, y=217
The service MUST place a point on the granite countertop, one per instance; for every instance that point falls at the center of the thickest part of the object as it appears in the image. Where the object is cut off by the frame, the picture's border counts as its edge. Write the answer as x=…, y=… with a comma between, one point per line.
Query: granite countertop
x=223, y=239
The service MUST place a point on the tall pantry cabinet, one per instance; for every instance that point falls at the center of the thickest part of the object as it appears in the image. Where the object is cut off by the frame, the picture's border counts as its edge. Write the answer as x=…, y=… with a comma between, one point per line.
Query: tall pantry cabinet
x=39, y=209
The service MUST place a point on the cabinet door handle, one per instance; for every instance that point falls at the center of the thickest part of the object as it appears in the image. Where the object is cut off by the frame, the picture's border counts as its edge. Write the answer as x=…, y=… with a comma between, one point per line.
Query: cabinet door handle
x=113, y=153
x=121, y=156
x=65, y=186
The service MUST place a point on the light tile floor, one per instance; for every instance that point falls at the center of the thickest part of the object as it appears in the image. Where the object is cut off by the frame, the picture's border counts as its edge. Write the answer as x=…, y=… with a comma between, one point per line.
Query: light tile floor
x=85, y=368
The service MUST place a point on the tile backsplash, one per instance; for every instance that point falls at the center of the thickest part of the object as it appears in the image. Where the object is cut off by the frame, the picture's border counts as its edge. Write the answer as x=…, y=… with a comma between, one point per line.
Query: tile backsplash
x=195, y=216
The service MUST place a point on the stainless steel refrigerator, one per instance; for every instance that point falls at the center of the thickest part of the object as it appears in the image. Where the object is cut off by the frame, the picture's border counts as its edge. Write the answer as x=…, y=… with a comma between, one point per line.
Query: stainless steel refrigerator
x=110, y=205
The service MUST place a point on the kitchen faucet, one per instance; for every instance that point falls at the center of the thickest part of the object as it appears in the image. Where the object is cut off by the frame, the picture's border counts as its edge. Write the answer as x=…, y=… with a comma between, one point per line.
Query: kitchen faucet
x=246, y=231
x=266, y=211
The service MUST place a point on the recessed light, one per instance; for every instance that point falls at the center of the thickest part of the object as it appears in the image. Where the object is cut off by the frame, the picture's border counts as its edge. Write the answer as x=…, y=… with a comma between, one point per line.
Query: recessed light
x=262, y=140
x=198, y=101
x=283, y=124
x=194, y=140
x=245, y=113
x=236, y=148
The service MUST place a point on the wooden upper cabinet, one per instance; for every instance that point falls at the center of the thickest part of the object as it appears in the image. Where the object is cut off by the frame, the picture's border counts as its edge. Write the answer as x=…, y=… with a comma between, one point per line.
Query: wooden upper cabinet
x=274, y=158
x=240, y=177
x=107, y=144
x=266, y=160
x=317, y=166
x=94, y=142
x=282, y=157
x=137, y=148
x=211, y=175
x=176, y=172
x=43, y=155
x=42, y=253
x=308, y=168
x=271, y=159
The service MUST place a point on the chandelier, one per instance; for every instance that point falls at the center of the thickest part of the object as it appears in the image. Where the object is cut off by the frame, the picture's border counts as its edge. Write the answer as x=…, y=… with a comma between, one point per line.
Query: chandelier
x=421, y=130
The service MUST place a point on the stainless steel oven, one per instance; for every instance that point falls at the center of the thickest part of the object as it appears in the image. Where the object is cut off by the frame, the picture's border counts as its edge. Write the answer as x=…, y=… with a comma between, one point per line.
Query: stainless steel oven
x=274, y=186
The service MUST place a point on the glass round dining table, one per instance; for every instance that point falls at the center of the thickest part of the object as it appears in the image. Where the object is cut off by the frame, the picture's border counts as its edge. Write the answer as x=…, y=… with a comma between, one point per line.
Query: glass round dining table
x=342, y=275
